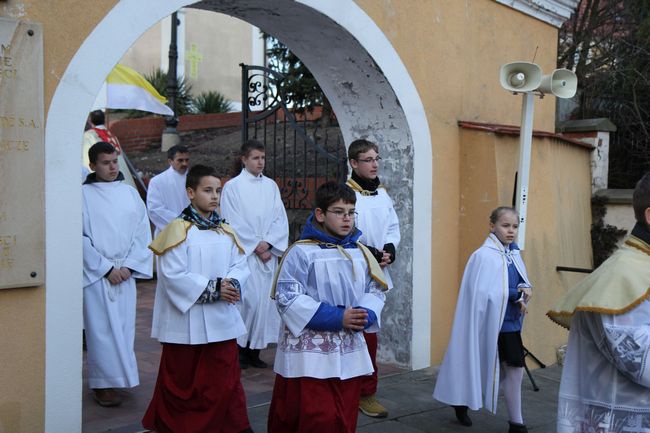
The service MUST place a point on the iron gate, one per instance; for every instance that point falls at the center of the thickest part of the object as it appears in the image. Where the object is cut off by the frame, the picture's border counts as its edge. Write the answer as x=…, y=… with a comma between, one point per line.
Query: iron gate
x=300, y=155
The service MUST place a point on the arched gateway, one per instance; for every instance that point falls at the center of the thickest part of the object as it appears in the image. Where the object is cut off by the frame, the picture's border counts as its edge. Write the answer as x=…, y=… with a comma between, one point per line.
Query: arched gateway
x=372, y=95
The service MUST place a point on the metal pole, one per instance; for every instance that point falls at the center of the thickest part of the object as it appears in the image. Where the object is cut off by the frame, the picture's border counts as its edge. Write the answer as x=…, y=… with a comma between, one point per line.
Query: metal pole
x=525, y=145
x=170, y=136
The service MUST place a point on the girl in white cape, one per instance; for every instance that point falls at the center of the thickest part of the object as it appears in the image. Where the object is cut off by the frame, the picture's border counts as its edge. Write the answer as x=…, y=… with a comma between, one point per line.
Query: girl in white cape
x=485, y=345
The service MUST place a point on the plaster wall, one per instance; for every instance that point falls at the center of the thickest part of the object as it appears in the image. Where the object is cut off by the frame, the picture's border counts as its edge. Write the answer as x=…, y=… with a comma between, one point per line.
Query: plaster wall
x=453, y=51
x=621, y=216
x=559, y=219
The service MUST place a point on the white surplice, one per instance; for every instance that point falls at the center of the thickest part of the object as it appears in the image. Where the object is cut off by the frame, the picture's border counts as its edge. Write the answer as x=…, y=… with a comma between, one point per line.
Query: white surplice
x=378, y=223
x=183, y=274
x=311, y=275
x=115, y=234
x=166, y=197
x=606, y=375
x=252, y=205
x=469, y=374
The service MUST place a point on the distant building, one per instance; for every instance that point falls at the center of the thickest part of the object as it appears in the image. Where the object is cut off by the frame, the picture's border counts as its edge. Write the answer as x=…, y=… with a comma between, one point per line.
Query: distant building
x=210, y=48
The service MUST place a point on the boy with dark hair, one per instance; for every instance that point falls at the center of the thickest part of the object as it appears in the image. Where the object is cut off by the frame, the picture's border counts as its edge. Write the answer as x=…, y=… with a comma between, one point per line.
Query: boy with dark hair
x=378, y=222
x=115, y=237
x=201, y=270
x=328, y=289
x=606, y=376
x=166, y=196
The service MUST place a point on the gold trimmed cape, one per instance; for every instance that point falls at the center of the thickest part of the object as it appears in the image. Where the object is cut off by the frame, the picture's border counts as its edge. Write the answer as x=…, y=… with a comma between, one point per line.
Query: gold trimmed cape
x=376, y=273
x=620, y=284
x=175, y=234
x=356, y=187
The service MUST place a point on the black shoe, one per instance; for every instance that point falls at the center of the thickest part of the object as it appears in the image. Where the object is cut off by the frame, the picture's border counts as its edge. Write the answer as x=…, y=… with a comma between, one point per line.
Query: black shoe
x=248, y=430
x=517, y=428
x=254, y=359
x=244, y=359
x=461, y=415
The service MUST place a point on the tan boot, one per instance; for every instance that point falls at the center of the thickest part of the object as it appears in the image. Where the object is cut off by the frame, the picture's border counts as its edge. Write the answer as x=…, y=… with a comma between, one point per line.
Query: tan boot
x=372, y=408
x=106, y=397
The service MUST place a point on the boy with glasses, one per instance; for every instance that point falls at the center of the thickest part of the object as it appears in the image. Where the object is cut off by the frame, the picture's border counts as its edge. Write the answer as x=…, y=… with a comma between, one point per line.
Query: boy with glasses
x=328, y=289
x=380, y=227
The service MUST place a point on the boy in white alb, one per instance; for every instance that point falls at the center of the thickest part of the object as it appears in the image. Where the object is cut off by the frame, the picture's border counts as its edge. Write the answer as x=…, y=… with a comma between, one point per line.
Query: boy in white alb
x=115, y=237
x=379, y=226
x=328, y=290
x=201, y=268
x=252, y=204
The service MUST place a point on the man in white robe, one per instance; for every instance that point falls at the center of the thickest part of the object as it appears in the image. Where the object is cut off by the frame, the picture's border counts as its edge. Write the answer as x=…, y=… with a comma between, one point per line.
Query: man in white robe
x=115, y=238
x=605, y=385
x=166, y=195
x=252, y=205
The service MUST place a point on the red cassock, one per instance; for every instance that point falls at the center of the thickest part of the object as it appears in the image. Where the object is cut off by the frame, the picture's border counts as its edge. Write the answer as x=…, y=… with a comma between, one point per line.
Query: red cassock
x=198, y=390
x=369, y=383
x=306, y=404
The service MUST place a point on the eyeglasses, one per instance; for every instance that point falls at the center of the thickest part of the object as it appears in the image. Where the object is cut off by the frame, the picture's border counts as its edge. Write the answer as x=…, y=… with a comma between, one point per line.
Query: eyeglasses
x=370, y=160
x=340, y=214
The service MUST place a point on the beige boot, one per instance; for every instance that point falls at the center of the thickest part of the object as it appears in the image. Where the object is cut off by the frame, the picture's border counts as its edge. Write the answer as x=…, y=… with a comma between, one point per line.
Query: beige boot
x=371, y=407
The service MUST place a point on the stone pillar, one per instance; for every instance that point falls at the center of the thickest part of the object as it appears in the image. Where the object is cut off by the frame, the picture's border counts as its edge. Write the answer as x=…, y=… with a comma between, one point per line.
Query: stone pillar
x=595, y=132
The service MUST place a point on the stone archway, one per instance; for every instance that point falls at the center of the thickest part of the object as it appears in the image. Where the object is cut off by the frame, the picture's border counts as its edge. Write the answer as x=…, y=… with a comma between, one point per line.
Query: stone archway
x=373, y=96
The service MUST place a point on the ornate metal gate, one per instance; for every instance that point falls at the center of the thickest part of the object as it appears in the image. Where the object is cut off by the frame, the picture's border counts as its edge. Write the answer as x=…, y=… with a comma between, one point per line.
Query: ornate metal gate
x=300, y=155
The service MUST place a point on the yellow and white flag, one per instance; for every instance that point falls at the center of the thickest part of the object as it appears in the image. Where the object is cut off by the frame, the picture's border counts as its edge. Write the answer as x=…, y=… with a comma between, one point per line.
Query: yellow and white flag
x=124, y=88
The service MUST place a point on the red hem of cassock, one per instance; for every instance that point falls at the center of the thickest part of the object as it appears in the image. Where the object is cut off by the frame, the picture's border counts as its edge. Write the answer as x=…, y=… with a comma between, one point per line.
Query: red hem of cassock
x=369, y=383
x=198, y=390
x=309, y=405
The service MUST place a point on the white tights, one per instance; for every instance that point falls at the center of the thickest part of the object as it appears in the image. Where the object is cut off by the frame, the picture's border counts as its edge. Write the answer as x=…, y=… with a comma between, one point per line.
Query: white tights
x=511, y=384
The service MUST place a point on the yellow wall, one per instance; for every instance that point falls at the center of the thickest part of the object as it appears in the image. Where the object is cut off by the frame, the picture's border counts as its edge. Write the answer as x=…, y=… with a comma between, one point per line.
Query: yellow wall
x=559, y=219
x=22, y=311
x=453, y=50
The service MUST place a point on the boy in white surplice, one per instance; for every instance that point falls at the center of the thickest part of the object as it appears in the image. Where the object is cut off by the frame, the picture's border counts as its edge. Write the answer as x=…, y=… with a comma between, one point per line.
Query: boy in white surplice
x=115, y=238
x=201, y=268
x=378, y=222
x=328, y=290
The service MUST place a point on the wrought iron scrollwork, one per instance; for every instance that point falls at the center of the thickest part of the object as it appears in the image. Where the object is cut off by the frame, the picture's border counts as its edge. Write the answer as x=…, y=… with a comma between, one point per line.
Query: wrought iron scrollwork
x=297, y=161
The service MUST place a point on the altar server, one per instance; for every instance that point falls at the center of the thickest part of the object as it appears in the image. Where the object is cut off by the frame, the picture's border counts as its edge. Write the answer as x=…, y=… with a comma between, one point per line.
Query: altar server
x=605, y=383
x=379, y=226
x=252, y=205
x=329, y=289
x=115, y=237
x=485, y=345
x=201, y=270
x=166, y=195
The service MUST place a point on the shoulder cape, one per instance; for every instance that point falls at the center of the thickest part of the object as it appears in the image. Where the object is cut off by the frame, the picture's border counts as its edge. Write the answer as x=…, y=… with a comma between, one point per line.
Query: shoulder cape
x=357, y=188
x=620, y=284
x=175, y=234
x=376, y=273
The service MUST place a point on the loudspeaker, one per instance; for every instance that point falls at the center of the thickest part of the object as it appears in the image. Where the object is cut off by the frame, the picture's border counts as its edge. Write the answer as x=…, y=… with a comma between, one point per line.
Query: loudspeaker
x=562, y=83
x=520, y=76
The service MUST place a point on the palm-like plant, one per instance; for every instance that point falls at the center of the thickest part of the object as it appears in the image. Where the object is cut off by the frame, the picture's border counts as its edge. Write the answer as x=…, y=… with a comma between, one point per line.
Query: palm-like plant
x=211, y=102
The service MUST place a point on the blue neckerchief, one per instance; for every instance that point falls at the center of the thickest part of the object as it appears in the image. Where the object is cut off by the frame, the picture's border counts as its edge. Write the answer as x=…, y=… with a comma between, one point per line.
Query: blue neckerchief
x=311, y=231
x=190, y=214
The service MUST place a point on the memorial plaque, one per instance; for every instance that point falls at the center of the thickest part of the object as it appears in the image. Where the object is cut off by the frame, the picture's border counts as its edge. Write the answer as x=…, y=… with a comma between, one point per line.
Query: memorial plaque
x=22, y=204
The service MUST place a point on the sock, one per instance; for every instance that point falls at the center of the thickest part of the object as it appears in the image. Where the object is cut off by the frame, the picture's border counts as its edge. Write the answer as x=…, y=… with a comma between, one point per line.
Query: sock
x=511, y=384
